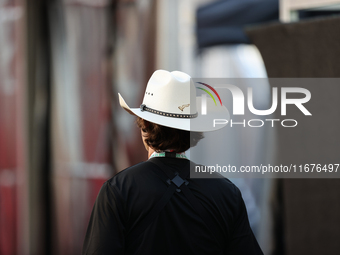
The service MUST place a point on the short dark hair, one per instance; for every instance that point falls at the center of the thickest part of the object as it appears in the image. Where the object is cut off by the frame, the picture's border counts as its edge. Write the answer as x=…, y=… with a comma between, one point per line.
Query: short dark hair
x=161, y=138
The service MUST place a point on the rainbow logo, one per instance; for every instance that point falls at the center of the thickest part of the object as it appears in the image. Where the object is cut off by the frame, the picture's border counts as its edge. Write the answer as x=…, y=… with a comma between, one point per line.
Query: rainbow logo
x=209, y=93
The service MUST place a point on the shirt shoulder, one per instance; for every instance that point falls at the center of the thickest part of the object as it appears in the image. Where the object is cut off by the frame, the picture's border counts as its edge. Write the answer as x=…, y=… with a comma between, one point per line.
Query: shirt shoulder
x=221, y=186
x=142, y=176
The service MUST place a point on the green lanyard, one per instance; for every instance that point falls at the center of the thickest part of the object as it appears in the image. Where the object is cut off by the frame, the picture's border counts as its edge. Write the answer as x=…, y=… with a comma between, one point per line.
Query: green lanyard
x=162, y=154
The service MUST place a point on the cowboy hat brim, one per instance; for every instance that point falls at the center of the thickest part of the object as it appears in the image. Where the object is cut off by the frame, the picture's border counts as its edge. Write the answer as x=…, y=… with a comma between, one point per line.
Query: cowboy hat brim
x=202, y=123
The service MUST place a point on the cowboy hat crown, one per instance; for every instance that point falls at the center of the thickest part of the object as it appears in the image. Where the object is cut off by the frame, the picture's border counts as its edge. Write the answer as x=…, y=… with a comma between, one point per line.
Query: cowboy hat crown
x=170, y=93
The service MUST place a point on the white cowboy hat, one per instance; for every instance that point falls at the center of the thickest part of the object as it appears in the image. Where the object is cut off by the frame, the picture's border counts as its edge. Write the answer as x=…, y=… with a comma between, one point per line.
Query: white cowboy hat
x=170, y=100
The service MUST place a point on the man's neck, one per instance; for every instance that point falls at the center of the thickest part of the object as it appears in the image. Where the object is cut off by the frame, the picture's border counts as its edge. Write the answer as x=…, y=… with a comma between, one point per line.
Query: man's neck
x=150, y=151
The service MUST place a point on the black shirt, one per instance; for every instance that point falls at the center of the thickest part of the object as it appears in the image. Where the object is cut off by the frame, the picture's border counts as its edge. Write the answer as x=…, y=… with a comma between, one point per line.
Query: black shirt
x=129, y=196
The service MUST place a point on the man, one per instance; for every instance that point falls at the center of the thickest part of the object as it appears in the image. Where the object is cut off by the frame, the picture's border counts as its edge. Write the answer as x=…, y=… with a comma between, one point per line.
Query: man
x=154, y=207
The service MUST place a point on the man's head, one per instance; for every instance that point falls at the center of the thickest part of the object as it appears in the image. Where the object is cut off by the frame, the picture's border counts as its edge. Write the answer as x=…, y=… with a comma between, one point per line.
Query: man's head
x=161, y=138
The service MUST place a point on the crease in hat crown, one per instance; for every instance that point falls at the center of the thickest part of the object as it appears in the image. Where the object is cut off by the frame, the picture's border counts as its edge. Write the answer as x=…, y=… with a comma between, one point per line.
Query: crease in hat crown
x=170, y=92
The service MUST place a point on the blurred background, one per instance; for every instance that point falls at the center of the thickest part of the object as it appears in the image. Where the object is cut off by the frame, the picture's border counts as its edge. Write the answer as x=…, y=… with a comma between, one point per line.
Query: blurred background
x=62, y=133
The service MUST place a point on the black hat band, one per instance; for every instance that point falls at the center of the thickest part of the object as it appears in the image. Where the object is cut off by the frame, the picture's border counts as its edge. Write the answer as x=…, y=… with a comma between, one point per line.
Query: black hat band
x=143, y=108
